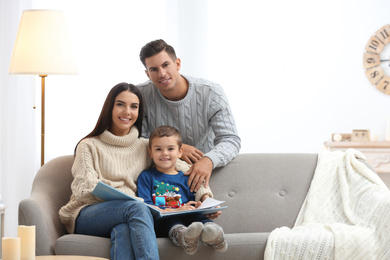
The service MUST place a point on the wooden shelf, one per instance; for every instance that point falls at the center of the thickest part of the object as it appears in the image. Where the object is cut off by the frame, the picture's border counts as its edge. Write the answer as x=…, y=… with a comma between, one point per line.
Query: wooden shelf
x=377, y=153
x=349, y=144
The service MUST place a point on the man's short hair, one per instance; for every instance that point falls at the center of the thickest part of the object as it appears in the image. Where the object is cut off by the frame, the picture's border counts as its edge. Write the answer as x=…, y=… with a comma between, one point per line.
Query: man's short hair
x=155, y=47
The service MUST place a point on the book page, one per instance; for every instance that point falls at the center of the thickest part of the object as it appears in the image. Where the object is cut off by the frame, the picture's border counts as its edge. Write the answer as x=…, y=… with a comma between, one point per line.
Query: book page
x=210, y=203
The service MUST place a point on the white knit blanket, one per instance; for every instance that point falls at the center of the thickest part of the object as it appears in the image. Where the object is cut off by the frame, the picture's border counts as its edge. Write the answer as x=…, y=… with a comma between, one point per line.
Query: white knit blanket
x=346, y=214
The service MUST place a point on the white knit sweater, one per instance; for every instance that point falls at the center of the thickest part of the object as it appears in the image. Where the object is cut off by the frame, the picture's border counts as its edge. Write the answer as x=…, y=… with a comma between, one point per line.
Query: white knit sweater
x=345, y=215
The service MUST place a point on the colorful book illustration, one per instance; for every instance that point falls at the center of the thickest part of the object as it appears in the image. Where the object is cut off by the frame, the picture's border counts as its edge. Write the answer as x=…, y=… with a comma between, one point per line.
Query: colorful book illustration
x=106, y=192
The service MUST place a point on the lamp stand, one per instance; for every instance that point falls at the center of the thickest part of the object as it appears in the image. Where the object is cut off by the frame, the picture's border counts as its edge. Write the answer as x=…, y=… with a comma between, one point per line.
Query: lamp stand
x=43, y=119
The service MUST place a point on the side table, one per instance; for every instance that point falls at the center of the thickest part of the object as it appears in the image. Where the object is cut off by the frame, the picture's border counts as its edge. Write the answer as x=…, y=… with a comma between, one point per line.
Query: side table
x=68, y=257
x=377, y=153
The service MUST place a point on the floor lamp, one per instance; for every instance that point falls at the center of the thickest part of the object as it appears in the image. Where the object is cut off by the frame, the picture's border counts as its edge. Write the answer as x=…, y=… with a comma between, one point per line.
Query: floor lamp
x=43, y=48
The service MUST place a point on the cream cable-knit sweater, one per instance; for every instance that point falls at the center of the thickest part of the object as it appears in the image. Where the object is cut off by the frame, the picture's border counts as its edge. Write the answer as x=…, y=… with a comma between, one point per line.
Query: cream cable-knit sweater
x=115, y=160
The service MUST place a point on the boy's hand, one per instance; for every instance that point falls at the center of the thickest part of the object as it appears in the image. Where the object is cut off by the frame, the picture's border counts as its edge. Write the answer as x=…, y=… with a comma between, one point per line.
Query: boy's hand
x=204, y=197
x=188, y=206
x=198, y=204
x=214, y=215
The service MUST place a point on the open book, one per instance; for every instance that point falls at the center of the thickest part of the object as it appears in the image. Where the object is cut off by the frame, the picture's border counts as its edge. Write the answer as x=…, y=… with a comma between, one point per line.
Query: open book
x=106, y=192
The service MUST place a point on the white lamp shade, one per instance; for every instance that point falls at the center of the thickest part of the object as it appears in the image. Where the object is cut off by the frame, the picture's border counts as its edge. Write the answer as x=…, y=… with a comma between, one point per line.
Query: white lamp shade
x=43, y=45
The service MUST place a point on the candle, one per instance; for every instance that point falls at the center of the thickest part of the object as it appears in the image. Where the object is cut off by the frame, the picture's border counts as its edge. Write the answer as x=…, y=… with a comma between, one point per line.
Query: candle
x=10, y=248
x=27, y=242
x=387, y=136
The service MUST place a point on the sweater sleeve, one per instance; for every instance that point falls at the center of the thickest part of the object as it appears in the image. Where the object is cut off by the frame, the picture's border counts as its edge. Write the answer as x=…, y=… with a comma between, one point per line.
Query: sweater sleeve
x=84, y=174
x=145, y=187
x=203, y=191
x=227, y=143
x=182, y=166
x=145, y=91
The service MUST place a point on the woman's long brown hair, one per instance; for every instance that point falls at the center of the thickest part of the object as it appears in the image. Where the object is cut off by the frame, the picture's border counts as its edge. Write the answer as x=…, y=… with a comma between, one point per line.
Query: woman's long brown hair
x=105, y=119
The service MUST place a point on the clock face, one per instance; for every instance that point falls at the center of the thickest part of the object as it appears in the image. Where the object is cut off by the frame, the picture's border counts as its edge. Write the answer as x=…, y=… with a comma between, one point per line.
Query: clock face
x=376, y=59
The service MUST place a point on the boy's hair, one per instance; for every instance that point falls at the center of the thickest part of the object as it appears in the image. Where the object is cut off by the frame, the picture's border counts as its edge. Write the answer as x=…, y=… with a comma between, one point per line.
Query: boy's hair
x=155, y=47
x=165, y=131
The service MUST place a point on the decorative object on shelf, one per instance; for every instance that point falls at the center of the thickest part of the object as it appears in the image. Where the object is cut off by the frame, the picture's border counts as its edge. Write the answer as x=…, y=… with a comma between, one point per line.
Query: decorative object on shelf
x=27, y=242
x=337, y=137
x=42, y=47
x=10, y=248
x=360, y=136
x=374, y=138
x=375, y=62
x=387, y=136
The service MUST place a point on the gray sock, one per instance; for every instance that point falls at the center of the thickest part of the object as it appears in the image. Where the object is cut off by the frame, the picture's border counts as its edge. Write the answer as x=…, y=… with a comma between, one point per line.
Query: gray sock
x=212, y=235
x=187, y=238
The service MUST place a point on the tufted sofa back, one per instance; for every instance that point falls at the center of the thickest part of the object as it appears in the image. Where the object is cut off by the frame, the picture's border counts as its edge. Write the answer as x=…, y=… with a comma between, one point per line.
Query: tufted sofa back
x=262, y=191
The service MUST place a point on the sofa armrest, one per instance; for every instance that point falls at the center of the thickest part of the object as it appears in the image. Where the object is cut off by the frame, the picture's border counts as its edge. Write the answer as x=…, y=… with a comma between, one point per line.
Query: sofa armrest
x=50, y=191
x=33, y=211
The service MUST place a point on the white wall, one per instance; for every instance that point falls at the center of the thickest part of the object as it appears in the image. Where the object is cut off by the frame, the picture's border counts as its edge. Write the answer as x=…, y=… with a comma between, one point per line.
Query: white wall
x=292, y=70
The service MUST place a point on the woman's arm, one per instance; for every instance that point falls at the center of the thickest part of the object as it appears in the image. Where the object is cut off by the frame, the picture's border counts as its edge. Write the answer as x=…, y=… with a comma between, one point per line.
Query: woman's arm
x=84, y=174
x=202, y=193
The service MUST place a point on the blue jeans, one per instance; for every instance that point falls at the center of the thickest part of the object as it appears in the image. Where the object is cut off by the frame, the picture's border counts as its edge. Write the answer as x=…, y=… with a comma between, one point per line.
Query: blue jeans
x=128, y=223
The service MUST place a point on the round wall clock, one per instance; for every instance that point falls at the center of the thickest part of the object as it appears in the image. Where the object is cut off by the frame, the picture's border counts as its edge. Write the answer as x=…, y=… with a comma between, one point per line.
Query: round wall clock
x=376, y=61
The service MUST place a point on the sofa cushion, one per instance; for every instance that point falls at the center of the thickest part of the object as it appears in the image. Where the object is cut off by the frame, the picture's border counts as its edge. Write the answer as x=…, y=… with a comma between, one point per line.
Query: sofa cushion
x=246, y=246
x=250, y=245
x=73, y=244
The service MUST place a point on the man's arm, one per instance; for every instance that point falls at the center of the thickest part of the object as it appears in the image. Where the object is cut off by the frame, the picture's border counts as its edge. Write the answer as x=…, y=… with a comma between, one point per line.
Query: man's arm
x=227, y=143
x=220, y=118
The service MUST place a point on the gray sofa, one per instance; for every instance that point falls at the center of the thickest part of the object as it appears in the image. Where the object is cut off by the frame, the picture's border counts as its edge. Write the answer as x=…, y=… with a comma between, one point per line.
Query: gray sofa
x=262, y=192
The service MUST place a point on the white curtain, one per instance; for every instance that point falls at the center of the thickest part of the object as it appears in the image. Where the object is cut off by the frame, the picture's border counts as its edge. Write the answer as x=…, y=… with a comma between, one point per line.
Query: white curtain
x=18, y=136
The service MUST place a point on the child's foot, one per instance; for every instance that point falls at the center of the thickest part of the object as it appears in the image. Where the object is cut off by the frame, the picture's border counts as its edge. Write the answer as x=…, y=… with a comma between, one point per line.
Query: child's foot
x=187, y=238
x=212, y=235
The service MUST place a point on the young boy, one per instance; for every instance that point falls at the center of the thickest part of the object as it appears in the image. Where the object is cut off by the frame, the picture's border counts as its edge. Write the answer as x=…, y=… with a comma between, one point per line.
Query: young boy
x=168, y=189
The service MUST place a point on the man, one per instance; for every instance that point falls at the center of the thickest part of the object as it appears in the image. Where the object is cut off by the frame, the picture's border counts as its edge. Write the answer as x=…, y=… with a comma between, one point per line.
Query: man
x=198, y=108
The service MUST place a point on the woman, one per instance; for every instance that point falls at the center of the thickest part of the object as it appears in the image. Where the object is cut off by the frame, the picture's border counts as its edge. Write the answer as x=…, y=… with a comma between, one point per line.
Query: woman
x=115, y=154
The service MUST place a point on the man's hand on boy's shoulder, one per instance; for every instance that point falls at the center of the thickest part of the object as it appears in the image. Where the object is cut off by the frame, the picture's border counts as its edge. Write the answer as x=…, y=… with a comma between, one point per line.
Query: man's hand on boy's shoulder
x=200, y=172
